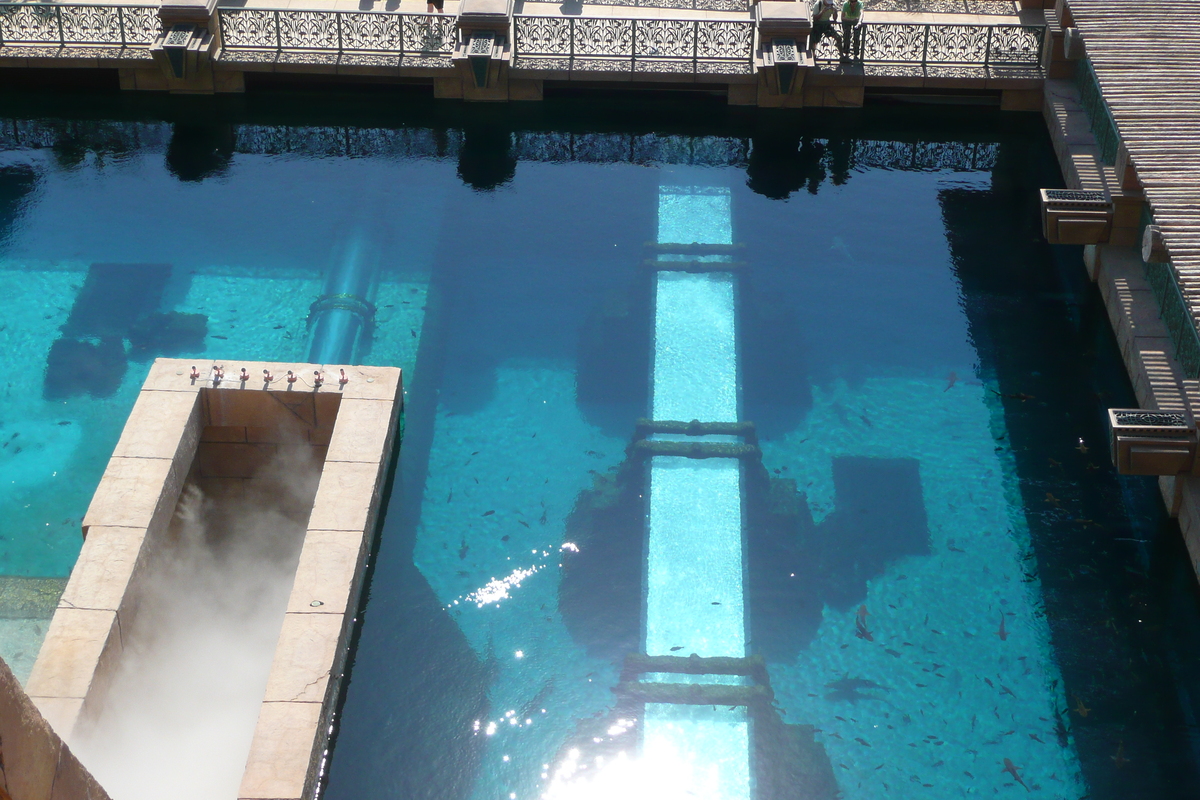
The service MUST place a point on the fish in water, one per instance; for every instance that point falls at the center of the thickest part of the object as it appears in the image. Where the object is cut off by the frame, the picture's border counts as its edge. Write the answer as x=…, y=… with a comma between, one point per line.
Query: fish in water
x=463, y=550
x=716, y=603
x=488, y=513
x=860, y=625
x=1011, y=769
x=1082, y=448
x=861, y=741
x=1054, y=463
x=851, y=690
x=538, y=701
x=523, y=522
x=676, y=648
x=953, y=549
x=450, y=496
x=839, y=245
x=951, y=379
x=1051, y=499
x=1002, y=633
x=1119, y=759
x=1080, y=708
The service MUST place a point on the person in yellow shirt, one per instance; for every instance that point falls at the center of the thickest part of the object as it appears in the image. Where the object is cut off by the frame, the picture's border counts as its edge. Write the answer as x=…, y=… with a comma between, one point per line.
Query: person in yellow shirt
x=824, y=14
x=852, y=30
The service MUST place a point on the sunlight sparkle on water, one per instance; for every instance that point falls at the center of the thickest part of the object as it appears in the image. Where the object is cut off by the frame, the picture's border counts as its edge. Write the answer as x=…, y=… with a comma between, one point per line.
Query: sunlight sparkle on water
x=660, y=778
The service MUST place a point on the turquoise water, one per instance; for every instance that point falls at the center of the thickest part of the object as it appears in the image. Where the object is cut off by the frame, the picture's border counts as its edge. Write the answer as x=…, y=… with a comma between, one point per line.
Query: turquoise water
x=695, y=593
x=933, y=557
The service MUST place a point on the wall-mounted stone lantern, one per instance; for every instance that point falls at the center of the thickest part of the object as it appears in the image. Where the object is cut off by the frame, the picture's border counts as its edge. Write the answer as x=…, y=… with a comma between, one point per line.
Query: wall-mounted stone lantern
x=1151, y=442
x=1073, y=216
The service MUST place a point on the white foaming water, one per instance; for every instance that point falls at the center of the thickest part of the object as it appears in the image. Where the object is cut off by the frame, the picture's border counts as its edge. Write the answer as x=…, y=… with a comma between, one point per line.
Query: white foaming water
x=180, y=714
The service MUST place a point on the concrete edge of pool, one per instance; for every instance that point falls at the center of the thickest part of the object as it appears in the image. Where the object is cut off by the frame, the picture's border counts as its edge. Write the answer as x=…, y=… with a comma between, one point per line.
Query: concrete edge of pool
x=225, y=427
x=1145, y=341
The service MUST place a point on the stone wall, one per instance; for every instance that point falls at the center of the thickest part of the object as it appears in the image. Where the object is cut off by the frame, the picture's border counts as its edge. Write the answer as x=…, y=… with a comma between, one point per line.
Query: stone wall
x=35, y=764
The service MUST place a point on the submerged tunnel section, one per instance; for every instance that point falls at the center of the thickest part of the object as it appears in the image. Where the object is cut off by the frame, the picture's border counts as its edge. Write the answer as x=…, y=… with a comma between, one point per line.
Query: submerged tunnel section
x=666, y=538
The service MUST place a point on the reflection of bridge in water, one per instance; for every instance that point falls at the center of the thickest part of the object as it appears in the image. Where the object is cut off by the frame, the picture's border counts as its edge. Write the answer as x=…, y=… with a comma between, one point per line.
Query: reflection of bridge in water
x=528, y=145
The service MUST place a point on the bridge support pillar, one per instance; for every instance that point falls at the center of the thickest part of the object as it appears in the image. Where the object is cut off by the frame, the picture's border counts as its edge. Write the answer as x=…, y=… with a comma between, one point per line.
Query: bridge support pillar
x=482, y=54
x=182, y=54
x=782, y=59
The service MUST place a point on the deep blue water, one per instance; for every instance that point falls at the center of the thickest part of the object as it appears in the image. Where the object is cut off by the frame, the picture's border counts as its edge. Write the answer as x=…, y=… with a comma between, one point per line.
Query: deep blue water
x=926, y=376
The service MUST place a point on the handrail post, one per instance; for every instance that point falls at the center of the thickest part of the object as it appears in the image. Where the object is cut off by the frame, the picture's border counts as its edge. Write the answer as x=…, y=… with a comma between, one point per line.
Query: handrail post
x=278, y=32
x=695, y=47
x=987, y=51
x=121, y=24
x=633, y=43
x=62, y=38
x=925, y=47
x=338, y=18
x=571, y=39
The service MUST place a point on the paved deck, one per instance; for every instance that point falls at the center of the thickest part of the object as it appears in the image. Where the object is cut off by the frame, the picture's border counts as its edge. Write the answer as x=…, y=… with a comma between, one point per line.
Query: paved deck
x=1146, y=55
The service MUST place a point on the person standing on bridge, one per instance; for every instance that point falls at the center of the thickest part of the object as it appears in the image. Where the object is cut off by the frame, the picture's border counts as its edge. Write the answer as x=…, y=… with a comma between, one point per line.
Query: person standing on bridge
x=824, y=14
x=852, y=30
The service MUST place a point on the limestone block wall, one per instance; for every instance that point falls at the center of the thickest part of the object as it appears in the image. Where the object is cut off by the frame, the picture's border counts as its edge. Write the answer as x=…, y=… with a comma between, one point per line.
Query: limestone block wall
x=217, y=434
x=36, y=764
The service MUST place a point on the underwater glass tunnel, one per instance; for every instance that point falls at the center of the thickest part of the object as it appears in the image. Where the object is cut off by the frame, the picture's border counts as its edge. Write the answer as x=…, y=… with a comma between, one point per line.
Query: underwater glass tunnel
x=746, y=454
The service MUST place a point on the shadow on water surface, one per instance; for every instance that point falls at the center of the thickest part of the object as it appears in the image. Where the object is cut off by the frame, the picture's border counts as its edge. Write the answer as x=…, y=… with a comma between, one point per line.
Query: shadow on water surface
x=1120, y=597
x=795, y=567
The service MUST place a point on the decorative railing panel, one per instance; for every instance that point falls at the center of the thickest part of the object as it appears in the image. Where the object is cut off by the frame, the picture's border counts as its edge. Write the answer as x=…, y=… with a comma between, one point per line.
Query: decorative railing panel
x=1092, y=99
x=336, y=31
x=992, y=7
x=948, y=45
x=117, y=26
x=652, y=41
x=691, y=5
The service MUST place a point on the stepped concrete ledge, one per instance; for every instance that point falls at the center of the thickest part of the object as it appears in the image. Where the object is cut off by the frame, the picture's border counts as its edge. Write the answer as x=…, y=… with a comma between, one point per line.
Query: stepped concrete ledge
x=216, y=436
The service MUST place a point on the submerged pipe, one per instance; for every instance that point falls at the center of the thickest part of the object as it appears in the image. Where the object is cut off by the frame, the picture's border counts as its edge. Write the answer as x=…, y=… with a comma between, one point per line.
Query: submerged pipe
x=342, y=317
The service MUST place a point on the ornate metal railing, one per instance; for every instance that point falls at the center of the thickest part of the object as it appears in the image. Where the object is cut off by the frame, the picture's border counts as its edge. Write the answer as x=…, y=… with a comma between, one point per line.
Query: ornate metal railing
x=649, y=45
x=1173, y=307
x=691, y=5
x=991, y=7
x=336, y=31
x=1092, y=100
x=945, y=45
x=42, y=23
